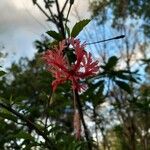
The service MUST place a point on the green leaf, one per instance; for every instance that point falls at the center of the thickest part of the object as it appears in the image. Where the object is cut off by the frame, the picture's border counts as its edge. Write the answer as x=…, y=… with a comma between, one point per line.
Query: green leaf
x=19, y=99
x=24, y=135
x=112, y=62
x=126, y=77
x=8, y=116
x=29, y=146
x=55, y=35
x=2, y=73
x=79, y=26
x=124, y=86
x=146, y=60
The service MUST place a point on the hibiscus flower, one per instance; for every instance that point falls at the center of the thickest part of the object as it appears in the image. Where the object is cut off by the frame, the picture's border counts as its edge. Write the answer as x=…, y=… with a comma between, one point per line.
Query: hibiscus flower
x=62, y=70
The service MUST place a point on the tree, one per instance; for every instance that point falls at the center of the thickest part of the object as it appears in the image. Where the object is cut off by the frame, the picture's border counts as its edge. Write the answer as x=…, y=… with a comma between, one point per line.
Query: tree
x=126, y=15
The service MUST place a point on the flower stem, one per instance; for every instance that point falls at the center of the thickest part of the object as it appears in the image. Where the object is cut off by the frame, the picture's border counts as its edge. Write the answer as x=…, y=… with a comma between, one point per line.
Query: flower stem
x=79, y=107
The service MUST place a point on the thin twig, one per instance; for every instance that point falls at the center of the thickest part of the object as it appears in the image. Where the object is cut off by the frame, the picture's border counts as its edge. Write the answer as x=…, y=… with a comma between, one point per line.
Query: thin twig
x=49, y=18
x=114, y=38
x=65, y=4
x=57, y=5
x=68, y=13
x=60, y=18
x=51, y=13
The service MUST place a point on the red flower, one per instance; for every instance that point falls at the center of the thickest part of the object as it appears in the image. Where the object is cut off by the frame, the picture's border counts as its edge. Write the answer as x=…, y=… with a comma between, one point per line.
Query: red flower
x=62, y=70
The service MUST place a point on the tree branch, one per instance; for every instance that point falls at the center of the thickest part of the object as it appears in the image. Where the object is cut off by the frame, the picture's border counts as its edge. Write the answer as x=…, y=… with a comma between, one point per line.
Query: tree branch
x=60, y=18
x=65, y=4
x=49, y=18
x=49, y=145
x=51, y=13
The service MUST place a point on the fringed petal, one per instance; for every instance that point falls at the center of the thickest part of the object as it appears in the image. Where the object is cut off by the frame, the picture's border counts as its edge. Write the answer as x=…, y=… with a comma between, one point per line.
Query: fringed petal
x=58, y=65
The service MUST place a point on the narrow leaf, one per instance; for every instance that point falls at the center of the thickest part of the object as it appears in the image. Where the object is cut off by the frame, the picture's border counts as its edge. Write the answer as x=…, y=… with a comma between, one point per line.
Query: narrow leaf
x=124, y=86
x=126, y=77
x=24, y=135
x=78, y=27
x=55, y=35
x=8, y=116
x=2, y=73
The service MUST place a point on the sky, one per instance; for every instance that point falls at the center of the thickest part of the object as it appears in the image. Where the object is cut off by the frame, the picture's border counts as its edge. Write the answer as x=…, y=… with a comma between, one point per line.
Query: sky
x=21, y=23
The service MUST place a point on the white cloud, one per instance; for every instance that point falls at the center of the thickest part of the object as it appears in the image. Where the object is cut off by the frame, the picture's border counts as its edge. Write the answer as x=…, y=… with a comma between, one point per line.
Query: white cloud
x=20, y=24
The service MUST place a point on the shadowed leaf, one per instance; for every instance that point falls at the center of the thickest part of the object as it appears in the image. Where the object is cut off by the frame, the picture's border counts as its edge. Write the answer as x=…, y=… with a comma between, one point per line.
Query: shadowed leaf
x=124, y=86
x=55, y=35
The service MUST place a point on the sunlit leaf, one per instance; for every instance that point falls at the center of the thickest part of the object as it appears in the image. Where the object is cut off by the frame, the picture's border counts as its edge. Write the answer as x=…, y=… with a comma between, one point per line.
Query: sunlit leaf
x=78, y=27
x=24, y=135
x=8, y=116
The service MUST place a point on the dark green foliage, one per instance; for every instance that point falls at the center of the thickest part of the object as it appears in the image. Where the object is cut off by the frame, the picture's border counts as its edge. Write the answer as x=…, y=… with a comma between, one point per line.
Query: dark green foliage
x=124, y=86
x=120, y=77
x=119, y=133
x=55, y=35
x=94, y=93
x=2, y=73
x=43, y=45
x=112, y=61
x=24, y=135
x=29, y=94
x=9, y=116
